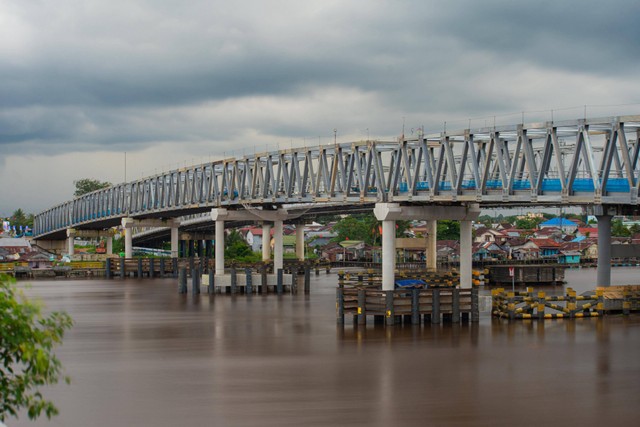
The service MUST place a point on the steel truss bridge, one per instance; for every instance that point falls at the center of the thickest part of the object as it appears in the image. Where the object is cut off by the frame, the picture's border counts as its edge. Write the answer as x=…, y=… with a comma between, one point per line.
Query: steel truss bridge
x=588, y=162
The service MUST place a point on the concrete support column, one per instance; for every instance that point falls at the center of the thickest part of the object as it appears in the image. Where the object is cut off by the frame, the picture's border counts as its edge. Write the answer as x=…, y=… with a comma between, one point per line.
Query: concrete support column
x=175, y=239
x=277, y=245
x=109, y=245
x=266, y=241
x=466, y=254
x=70, y=244
x=388, y=254
x=219, y=249
x=300, y=241
x=604, y=250
x=128, y=243
x=431, y=251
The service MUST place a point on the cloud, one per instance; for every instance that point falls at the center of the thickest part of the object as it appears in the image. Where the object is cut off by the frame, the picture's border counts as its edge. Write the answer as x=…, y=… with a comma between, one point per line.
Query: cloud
x=204, y=76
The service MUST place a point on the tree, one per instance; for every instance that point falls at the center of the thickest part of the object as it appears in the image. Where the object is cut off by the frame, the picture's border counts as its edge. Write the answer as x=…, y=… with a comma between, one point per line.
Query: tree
x=448, y=230
x=618, y=229
x=27, y=362
x=87, y=185
x=19, y=218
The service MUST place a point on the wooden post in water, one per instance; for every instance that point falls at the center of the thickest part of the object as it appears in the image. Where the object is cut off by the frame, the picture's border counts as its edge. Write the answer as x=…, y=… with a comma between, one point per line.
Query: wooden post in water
x=175, y=267
x=390, y=312
x=195, y=281
x=264, y=287
x=415, y=306
x=435, y=309
x=280, y=284
x=161, y=267
x=455, y=305
x=139, y=268
x=122, y=268
x=362, y=308
x=182, y=281
x=248, y=281
x=107, y=266
x=152, y=268
x=234, y=280
x=294, y=279
x=212, y=284
x=475, y=304
x=307, y=279
x=340, y=305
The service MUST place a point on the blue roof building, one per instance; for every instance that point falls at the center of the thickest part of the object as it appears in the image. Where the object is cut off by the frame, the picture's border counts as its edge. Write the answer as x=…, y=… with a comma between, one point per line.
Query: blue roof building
x=566, y=225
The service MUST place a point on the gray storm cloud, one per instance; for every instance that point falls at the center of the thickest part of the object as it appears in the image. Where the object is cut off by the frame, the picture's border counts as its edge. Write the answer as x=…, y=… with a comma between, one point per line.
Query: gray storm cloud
x=82, y=77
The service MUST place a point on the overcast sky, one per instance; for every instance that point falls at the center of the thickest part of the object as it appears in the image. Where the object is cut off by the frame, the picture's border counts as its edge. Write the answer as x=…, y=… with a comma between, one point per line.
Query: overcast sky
x=175, y=82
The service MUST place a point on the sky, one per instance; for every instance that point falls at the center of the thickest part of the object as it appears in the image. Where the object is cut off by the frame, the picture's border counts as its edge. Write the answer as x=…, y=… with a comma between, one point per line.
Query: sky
x=89, y=86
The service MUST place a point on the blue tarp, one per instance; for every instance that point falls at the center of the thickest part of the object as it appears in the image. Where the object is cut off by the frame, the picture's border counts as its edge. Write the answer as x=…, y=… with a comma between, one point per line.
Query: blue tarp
x=410, y=284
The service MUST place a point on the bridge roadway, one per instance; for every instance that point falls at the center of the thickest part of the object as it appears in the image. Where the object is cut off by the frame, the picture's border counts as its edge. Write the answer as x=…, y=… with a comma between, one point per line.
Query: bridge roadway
x=448, y=175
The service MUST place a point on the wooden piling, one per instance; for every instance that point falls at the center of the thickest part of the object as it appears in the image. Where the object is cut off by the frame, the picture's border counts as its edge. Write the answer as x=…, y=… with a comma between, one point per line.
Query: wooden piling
x=280, y=281
x=435, y=306
x=152, y=268
x=390, y=311
x=307, y=279
x=174, y=266
x=139, y=268
x=248, y=281
x=362, y=310
x=182, y=281
x=415, y=306
x=234, y=280
x=122, y=268
x=212, y=282
x=195, y=281
x=339, y=306
x=107, y=267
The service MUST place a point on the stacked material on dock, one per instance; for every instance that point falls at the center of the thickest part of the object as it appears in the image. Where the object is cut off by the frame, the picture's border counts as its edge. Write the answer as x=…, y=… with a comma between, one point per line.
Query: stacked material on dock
x=625, y=299
x=531, y=305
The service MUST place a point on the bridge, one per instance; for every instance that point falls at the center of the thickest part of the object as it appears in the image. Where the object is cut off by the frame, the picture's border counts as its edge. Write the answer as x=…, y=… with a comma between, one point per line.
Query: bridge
x=589, y=162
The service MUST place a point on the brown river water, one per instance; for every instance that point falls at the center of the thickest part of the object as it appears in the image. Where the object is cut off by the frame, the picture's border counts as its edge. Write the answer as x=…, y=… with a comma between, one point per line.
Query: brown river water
x=142, y=355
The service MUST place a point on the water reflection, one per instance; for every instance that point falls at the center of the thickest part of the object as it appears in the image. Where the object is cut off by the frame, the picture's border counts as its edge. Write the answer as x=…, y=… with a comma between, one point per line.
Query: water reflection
x=140, y=354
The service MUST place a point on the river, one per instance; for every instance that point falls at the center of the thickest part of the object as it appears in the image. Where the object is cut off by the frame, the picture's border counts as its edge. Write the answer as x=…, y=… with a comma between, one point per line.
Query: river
x=142, y=355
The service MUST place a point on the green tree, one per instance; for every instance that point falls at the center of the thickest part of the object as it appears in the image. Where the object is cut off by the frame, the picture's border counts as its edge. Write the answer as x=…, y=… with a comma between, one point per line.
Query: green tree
x=19, y=218
x=87, y=185
x=528, y=223
x=448, y=230
x=27, y=361
x=618, y=229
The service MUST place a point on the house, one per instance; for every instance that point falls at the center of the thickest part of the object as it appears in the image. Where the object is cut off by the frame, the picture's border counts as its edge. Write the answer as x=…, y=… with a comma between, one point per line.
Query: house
x=588, y=248
x=484, y=234
x=553, y=233
x=448, y=250
x=587, y=232
x=566, y=225
x=253, y=237
x=14, y=246
x=569, y=257
x=549, y=248
x=483, y=251
x=522, y=249
x=37, y=260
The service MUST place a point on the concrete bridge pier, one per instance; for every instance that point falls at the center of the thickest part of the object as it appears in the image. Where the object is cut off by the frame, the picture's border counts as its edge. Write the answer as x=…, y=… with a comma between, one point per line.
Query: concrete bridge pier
x=129, y=223
x=72, y=233
x=219, y=246
x=300, y=241
x=266, y=241
x=278, y=251
x=431, y=251
x=604, y=250
x=175, y=241
x=389, y=213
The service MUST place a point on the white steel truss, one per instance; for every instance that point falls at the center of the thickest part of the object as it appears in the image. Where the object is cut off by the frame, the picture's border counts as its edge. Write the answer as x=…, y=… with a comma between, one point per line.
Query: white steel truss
x=579, y=162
